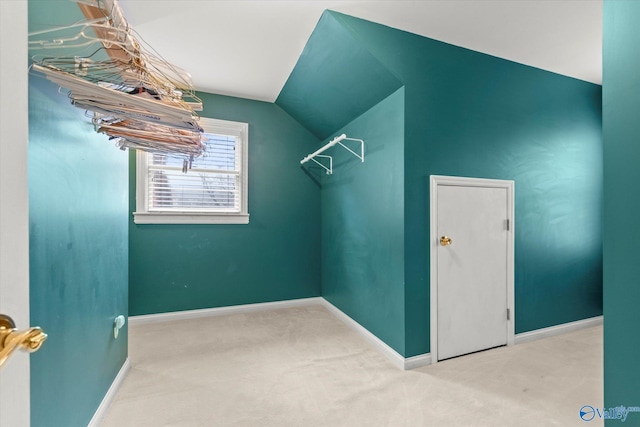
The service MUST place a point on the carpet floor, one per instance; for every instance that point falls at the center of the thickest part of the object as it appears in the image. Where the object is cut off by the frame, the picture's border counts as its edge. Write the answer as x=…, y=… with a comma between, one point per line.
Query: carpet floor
x=304, y=367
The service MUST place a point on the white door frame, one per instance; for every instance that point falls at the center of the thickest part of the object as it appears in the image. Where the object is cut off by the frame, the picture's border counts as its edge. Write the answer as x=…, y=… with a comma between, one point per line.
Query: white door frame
x=435, y=181
x=14, y=204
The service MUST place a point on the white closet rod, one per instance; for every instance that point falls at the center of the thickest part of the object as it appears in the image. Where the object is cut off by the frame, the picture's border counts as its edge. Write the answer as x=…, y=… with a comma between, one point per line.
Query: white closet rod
x=330, y=144
x=335, y=141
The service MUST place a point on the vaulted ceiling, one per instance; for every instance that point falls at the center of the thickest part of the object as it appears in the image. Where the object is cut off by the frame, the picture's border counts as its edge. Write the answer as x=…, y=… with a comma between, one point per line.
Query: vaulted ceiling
x=248, y=48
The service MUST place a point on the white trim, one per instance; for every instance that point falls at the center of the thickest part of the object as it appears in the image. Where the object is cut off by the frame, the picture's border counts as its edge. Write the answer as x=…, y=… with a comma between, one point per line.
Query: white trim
x=417, y=361
x=221, y=311
x=189, y=218
x=396, y=358
x=14, y=205
x=142, y=215
x=435, y=181
x=96, y=420
x=558, y=329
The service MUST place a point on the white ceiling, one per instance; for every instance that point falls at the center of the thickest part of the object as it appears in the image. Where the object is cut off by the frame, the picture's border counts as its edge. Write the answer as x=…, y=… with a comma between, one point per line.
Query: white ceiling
x=248, y=48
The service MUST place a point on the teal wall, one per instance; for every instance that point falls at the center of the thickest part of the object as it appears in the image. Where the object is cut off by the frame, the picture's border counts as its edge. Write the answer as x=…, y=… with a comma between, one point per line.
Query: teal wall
x=78, y=237
x=471, y=114
x=274, y=257
x=502, y=120
x=621, y=127
x=339, y=64
x=362, y=223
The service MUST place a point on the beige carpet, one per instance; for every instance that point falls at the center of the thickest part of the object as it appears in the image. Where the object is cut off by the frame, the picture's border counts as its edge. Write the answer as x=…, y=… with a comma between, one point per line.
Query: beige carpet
x=304, y=367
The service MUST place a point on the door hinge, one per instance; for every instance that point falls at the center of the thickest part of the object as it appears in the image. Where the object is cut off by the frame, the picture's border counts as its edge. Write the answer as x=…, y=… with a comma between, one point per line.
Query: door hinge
x=508, y=314
x=508, y=225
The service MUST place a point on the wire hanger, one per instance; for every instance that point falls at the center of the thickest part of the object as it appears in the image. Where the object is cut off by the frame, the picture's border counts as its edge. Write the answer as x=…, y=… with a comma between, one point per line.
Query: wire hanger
x=136, y=97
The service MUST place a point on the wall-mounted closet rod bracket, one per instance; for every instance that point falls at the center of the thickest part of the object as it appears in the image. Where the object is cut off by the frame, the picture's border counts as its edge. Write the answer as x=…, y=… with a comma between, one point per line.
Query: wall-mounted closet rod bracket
x=337, y=140
x=361, y=155
x=328, y=169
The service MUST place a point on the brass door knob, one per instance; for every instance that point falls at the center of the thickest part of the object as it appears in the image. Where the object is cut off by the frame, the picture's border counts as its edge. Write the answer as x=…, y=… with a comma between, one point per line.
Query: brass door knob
x=11, y=339
x=445, y=241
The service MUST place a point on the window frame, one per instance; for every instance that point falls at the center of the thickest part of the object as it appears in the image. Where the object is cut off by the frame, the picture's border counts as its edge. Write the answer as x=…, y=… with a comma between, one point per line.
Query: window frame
x=142, y=215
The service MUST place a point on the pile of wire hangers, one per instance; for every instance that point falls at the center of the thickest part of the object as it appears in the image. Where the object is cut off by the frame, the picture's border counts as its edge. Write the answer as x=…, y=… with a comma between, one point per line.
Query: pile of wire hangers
x=133, y=95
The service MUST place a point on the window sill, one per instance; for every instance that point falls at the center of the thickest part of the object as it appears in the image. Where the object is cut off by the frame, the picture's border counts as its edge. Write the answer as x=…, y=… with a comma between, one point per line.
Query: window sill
x=189, y=218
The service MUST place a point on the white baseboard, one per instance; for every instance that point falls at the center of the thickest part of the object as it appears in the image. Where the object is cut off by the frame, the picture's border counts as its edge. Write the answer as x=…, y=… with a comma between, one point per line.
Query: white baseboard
x=557, y=330
x=396, y=358
x=222, y=311
x=417, y=361
x=96, y=420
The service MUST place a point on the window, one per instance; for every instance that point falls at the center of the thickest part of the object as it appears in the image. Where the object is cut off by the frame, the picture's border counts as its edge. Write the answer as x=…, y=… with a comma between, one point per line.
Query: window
x=212, y=191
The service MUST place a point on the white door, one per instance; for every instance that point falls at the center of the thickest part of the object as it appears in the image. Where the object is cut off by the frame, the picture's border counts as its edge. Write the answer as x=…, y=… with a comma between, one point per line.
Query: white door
x=472, y=249
x=14, y=215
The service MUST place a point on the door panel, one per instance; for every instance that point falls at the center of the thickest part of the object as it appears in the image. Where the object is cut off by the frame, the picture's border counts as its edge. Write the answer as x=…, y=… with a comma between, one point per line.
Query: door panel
x=472, y=270
x=14, y=214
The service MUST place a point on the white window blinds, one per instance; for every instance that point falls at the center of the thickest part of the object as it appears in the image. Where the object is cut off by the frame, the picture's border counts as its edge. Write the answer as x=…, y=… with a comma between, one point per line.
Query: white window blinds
x=212, y=189
x=211, y=184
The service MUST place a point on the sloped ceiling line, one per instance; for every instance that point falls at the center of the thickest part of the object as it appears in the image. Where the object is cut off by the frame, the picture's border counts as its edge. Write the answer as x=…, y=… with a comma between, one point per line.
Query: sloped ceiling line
x=335, y=80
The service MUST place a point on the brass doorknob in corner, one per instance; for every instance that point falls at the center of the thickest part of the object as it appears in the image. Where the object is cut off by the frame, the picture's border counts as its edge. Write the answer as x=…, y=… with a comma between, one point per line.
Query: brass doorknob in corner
x=445, y=241
x=11, y=339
